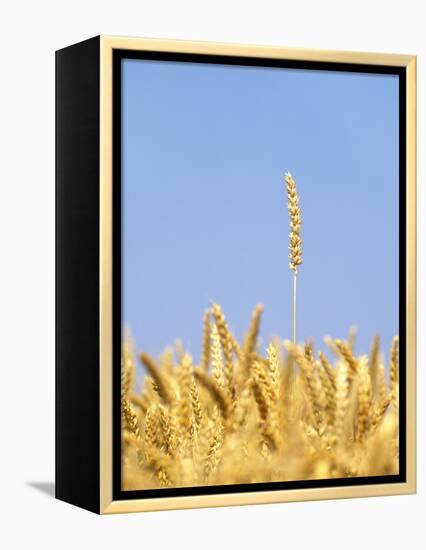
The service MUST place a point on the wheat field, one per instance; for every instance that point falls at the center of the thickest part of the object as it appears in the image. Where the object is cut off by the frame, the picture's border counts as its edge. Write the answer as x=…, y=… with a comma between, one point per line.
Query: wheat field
x=239, y=416
x=243, y=416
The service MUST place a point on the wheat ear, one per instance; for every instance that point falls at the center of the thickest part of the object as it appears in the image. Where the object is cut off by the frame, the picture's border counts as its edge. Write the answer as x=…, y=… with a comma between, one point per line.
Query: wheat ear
x=250, y=339
x=217, y=359
x=365, y=392
x=160, y=381
x=217, y=393
x=129, y=417
x=374, y=363
x=226, y=343
x=346, y=353
x=206, y=353
x=295, y=245
x=394, y=360
x=152, y=434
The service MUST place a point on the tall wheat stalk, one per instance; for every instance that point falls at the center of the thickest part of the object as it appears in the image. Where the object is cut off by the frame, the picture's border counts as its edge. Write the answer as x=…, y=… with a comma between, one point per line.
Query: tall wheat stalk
x=295, y=245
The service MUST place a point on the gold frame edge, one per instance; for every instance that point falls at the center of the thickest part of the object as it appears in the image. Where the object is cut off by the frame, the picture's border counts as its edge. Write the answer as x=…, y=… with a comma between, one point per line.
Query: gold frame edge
x=105, y=276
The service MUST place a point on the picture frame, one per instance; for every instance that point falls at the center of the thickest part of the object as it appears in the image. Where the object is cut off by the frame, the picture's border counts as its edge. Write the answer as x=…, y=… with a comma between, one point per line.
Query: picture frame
x=90, y=256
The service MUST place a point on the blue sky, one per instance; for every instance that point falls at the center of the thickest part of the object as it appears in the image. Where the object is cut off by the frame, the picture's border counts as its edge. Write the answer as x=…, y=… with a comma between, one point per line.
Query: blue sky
x=205, y=216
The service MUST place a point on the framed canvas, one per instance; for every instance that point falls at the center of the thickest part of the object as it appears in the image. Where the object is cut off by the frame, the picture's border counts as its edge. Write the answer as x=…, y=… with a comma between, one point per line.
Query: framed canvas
x=235, y=274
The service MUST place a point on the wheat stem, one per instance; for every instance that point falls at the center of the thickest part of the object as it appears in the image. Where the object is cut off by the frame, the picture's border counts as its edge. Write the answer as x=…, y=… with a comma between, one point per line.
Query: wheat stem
x=294, y=306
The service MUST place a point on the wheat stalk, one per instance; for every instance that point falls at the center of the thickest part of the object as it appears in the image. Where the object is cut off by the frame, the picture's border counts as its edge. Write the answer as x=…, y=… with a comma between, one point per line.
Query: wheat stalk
x=295, y=245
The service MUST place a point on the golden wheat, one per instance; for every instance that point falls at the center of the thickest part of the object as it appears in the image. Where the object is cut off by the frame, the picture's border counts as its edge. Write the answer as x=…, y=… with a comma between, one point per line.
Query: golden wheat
x=295, y=222
x=243, y=417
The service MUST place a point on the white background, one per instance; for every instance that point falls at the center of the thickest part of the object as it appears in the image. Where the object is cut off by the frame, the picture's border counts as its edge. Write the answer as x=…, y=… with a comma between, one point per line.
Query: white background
x=29, y=33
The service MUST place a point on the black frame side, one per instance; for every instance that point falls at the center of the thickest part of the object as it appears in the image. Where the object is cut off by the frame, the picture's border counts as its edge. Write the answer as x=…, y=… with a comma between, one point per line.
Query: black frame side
x=77, y=275
x=118, y=56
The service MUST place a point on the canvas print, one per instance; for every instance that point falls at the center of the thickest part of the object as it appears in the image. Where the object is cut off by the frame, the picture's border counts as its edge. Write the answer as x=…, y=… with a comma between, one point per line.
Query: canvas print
x=260, y=274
